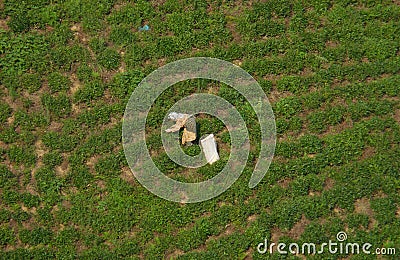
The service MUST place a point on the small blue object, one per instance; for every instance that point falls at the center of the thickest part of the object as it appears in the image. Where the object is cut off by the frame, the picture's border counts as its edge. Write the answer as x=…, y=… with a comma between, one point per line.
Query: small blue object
x=144, y=28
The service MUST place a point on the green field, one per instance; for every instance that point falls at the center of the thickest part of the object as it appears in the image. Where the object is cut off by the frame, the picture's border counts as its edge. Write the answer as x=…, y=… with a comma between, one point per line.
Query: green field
x=68, y=67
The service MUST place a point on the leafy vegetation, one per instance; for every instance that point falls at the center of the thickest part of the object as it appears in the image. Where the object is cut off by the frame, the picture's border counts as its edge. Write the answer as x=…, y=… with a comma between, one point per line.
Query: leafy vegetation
x=67, y=69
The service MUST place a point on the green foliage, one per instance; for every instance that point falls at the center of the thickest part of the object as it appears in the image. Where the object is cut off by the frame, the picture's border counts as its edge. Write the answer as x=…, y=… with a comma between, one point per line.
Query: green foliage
x=384, y=209
x=30, y=200
x=20, y=216
x=52, y=159
x=109, y=59
x=258, y=22
x=36, y=236
x=80, y=177
x=100, y=114
x=21, y=155
x=266, y=85
x=194, y=237
x=122, y=35
x=61, y=35
x=64, y=142
x=290, y=83
x=19, y=23
x=133, y=15
x=57, y=82
x=48, y=184
x=332, y=70
x=64, y=57
x=109, y=166
x=282, y=125
x=59, y=105
x=209, y=125
x=5, y=112
x=341, y=148
x=7, y=236
x=310, y=144
x=22, y=53
x=90, y=91
x=10, y=197
x=67, y=236
x=8, y=135
x=85, y=73
x=287, y=107
x=123, y=84
x=287, y=213
x=44, y=215
x=5, y=216
x=31, y=82
x=97, y=45
x=7, y=178
x=357, y=220
x=128, y=249
x=320, y=120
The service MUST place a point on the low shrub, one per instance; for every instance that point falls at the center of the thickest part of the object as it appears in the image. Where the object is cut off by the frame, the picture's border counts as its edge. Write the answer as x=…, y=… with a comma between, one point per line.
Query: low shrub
x=123, y=84
x=5, y=112
x=7, y=236
x=22, y=155
x=90, y=91
x=52, y=159
x=10, y=197
x=31, y=82
x=122, y=35
x=30, y=200
x=36, y=236
x=63, y=142
x=290, y=83
x=287, y=107
x=97, y=45
x=59, y=105
x=385, y=210
x=58, y=82
x=109, y=59
x=7, y=178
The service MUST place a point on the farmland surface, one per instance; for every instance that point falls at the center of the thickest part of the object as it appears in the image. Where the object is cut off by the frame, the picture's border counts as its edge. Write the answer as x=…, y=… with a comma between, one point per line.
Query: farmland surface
x=67, y=69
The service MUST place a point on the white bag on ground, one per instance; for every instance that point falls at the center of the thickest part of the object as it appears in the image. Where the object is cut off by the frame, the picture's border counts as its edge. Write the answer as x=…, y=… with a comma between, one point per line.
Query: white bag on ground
x=209, y=146
x=187, y=122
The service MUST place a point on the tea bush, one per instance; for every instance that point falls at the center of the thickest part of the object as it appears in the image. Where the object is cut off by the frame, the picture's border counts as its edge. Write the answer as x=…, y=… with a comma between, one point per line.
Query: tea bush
x=59, y=105
x=31, y=82
x=7, y=236
x=124, y=83
x=21, y=155
x=58, y=82
x=63, y=57
x=90, y=91
x=7, y=178
x=331, y=69
x=109, y=58
x=10, y=197
x=8, y=135
x=287, y=107
x=122, y=35
x=52, y=159
x=85, y=73
x=5, y=112
x=384, y=209
x=30, y=200
x=63, y=142
x=290, y=83
x=36, y=236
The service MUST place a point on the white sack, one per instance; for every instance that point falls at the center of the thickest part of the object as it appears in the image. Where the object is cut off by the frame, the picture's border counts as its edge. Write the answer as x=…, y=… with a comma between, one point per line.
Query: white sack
x=209, y=146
